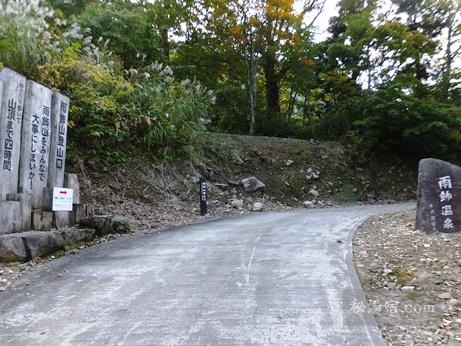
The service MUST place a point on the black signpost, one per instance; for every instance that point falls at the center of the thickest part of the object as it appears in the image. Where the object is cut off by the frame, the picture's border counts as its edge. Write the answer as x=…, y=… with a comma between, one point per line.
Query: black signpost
x=203, y=196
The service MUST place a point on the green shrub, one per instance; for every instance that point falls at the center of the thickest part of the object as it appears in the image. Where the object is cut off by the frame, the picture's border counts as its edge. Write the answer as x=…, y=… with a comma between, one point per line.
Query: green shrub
x=25, y=42
x=127, y=28
x=114, y=111
x=171, y=113
x=348, y=194
x=390, y=121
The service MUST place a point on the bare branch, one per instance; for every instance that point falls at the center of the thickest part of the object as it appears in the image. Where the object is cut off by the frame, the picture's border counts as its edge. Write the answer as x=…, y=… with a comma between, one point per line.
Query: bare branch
x=322, y=6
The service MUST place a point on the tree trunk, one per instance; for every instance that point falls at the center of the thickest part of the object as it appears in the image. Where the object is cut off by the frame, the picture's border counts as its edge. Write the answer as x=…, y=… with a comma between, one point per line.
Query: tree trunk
x=368, y=69
x=272, y=86
x=165, y=44
x=164, y=32
x=448, y=61
x=291, y=105
x=252, y=85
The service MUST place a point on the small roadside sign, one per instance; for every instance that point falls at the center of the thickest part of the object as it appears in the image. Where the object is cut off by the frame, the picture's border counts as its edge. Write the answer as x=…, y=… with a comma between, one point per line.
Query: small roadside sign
x=203, y=196
x=62, y=199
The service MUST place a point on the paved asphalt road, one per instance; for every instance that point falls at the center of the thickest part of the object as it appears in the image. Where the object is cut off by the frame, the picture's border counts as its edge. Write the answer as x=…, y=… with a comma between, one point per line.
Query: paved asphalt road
x=262, y=279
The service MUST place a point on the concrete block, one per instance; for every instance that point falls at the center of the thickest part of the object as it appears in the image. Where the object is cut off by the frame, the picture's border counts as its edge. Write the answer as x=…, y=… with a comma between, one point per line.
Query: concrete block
x=42, y=220
x=82, y=211
x=11, y=110
x=59, y=114
x=47, y=199
x=25, y=202
x=62, y=218
x=79, y=213
x=10, y=217
x=71, y=182
x=36, y=138
x=12, y=248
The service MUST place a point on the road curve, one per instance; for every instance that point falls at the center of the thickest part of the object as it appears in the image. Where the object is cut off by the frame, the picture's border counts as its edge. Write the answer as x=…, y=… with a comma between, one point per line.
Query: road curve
x=262, y=279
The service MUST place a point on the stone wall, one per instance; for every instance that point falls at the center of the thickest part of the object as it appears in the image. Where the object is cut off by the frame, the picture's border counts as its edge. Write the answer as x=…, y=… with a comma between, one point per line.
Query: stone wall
x=33, y=134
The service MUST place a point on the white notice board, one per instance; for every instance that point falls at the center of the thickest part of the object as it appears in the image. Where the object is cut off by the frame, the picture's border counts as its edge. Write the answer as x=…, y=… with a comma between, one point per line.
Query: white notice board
x=62, y=199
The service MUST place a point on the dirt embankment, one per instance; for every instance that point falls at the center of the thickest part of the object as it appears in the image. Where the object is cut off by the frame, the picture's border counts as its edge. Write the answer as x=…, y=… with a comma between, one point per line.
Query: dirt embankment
x=156, y=193
x=412, y=280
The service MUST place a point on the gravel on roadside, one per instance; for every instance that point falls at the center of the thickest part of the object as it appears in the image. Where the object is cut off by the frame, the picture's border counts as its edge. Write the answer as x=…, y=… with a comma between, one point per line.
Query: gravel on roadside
x=412, y=280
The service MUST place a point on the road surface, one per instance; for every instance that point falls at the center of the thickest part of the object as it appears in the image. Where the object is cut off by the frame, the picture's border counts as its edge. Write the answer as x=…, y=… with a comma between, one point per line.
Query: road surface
x=263, y=279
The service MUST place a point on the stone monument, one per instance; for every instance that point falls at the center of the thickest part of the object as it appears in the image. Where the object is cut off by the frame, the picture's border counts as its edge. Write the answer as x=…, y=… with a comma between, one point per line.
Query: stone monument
x=12, y=88
x=33, y=138
x=35, y=144
x=58, y=140
x=11, y=109
x=439, y=197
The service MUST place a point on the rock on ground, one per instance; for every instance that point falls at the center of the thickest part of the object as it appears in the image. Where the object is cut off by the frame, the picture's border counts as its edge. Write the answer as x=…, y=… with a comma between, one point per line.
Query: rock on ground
x=105, y=224
x=237, y=204
x=25, y=246
x=258, y=206
x=253, y=184
x=308, y=204
x=314, y=193
x=12, y=248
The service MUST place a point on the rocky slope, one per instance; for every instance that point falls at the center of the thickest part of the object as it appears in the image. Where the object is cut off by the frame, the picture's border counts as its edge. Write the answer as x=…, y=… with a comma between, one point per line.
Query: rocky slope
x=296, y=173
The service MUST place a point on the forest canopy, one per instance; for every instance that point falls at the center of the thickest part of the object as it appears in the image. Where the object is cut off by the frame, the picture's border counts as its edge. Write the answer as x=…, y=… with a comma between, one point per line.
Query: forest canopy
x=155, y=74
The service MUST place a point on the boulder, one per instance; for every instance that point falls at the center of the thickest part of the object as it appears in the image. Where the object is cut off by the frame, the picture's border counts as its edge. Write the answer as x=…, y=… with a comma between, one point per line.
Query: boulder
x=12, y=248
x=439, y=196
x=105, y=224
x=258, y=206
x=42, y=243
x=237, y=204
x=121, y=224
x=76, y=235
x=26, y=246
x=253, y=184
x=101, y=223
x=288, y=163
x=308, y=204
x=314, y=193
